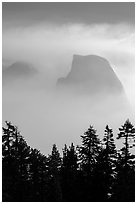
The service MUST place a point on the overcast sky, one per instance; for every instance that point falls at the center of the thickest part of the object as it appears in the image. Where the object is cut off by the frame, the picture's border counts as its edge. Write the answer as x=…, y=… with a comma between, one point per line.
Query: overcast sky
x=46, y=36
x=23, y=13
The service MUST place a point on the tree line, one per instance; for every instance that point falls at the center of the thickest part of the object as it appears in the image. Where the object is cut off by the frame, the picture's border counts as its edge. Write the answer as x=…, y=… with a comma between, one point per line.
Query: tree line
x=95, y=171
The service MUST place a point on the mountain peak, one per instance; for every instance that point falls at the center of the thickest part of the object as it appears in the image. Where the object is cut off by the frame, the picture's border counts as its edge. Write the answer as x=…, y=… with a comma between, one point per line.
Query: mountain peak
x=16, y=71
x=91, y=73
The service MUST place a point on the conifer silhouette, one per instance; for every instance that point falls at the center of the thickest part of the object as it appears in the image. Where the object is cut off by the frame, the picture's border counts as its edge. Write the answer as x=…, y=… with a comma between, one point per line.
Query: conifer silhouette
x=94, y=171
x=125, y=183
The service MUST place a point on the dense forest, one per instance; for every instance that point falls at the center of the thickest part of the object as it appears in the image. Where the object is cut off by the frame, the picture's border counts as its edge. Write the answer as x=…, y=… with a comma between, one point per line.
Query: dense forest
x=93, y=171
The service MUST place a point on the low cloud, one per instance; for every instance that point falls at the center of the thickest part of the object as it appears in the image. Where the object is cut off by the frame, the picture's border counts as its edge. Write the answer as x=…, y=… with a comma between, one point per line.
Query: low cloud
x=49, y=48
x=41, y=44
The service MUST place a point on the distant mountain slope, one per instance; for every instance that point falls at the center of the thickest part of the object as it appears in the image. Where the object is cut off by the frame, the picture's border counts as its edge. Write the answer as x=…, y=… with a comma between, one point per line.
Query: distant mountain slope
x=91, y=74
x=17, y=70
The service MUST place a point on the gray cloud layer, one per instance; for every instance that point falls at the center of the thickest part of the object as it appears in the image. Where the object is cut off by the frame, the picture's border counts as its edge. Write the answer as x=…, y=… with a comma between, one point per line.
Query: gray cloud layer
x=26, y=13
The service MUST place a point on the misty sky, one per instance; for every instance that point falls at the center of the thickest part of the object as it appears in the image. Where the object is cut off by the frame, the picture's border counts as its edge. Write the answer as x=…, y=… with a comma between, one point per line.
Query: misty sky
x=42, y=38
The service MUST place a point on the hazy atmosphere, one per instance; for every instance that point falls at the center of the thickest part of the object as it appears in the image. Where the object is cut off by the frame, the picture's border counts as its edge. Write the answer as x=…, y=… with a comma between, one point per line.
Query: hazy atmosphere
x=68, y=102
x=48, y=89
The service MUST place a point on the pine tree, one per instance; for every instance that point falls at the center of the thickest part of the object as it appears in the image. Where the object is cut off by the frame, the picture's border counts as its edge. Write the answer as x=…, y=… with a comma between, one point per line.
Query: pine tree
x=127, y=132
x=107, y=162
x=125, y=183
x=22, y=155
x=54, y=166
x=15, y=161
x=43, y=177
x=89, y=150
x=7, y=140
x=69, y=173
x=70, y=158
x=7, y=163
x=38, y=175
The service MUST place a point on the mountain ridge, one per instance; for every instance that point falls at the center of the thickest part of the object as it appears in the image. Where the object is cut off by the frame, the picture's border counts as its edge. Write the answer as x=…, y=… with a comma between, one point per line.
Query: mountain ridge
x=91, y=73
x=16, y=71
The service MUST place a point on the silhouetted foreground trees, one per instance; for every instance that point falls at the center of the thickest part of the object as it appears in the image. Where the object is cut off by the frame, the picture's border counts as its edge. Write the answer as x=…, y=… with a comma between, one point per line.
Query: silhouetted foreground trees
x=94, y=171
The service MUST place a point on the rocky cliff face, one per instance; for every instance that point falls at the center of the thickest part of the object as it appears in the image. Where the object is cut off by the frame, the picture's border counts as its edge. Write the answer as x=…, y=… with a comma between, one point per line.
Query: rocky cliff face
x=91, y=74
